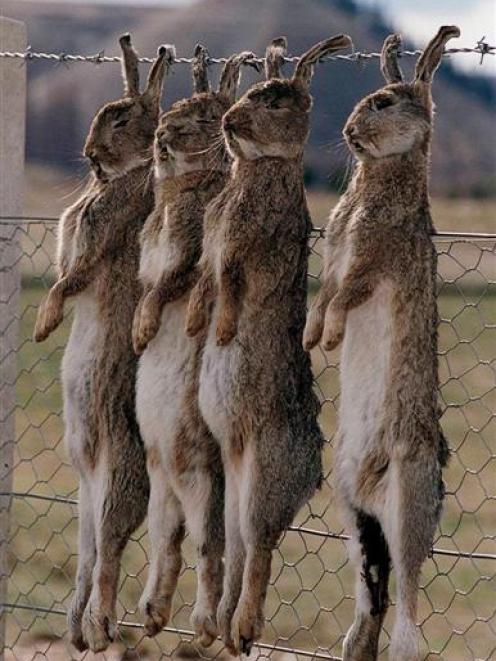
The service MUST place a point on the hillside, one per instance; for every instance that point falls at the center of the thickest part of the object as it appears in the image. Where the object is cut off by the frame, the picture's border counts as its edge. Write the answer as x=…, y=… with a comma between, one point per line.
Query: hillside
x=63, y=99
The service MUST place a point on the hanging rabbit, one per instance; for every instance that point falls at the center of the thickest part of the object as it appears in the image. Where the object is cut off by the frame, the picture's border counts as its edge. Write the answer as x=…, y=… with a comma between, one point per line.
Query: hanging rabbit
x=378, y=298
x=256, y=383
x=184, y=463
x=98, y=259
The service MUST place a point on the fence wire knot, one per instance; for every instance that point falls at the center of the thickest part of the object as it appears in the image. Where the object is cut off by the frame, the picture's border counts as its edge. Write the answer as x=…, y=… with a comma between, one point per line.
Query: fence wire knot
x=484, y=48
x=98, y=58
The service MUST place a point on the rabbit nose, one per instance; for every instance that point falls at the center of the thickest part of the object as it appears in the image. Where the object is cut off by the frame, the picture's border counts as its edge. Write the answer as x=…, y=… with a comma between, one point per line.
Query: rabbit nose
x=92, y=156
x=228, y=123
x=162, y=135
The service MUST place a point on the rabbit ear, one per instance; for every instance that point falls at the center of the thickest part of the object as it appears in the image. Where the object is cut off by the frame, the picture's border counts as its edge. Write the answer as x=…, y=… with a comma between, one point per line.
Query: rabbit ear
x=165, y=58
x=130, y=73
x=230, y=76
x=274, y=57
x=430, y=59
x=304, y=69
x=390, y=67
x=200, y=64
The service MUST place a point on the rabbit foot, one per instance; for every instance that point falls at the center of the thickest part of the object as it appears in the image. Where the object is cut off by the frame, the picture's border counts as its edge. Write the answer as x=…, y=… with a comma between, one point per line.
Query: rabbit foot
x=404, y=642
x=245, y=630
x=157, y=613
x=226, y=331
x=99, y=630
x=225, y=612
x=361, y=641
x=50, y=315
x=204, y=626
x=74, y=618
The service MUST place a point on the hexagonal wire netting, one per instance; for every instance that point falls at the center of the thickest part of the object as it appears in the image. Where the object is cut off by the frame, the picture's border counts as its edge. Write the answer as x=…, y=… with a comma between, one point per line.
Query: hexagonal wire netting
x=310, y=603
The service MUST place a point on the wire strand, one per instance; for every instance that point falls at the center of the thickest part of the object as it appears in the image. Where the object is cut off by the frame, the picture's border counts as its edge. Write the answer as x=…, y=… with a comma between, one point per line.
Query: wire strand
x=482, y=48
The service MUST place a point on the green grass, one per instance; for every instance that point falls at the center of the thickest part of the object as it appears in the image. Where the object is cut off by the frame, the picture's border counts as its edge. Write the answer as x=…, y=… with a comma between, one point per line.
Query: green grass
x=309, y=604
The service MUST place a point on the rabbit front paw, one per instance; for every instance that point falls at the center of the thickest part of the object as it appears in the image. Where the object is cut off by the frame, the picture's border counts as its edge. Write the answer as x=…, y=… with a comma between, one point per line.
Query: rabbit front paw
x=195, y=321
x=147, y=323
x=50, y=315
x=227, y=328
x=334, y=329
x=312, y=332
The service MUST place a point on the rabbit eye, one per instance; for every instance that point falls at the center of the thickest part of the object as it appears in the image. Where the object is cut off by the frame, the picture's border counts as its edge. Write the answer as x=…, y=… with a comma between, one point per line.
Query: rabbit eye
x=273, y=105
x=121, y=123
x=380, y=104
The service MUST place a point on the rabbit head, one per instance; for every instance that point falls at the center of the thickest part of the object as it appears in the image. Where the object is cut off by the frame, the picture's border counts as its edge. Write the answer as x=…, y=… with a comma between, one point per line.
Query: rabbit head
x=121, y=134
x=398, y=117
x=272, y=118
x=189, y=136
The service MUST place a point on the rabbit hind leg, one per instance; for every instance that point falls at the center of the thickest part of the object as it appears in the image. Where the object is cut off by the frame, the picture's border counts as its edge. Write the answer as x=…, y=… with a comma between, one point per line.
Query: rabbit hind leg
x=203, y=504
x=166, y=532
x=262, y=524
x=120, y=507
x=235, y=555
x=413, y=510
x=86, y=563
x=370, y=555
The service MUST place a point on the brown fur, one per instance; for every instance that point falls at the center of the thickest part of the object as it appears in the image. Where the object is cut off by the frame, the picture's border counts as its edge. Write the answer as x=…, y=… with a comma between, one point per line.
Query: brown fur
x=384, y=221
x=98, y=264
x=187, y=482
x=256, y=383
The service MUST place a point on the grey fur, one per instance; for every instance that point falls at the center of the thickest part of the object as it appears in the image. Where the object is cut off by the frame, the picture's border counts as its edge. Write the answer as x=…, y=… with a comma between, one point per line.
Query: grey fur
x=390, y=68
x=274, y=57
x=256, y=381
x=98, y=257
x=184, y=463
x=380, y=254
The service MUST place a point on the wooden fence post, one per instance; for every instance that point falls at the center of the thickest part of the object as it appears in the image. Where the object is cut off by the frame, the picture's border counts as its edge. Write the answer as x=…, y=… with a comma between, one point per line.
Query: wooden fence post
x=12, y=138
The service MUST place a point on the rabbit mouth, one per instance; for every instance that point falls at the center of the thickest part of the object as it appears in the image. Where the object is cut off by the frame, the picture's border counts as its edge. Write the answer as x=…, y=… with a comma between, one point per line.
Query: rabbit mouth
x=241, y=132
x=98, y=170
x=357, y=145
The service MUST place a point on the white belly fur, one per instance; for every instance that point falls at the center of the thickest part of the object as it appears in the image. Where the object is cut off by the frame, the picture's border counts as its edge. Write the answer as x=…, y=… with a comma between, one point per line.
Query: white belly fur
x=216, y=394
x=364, y=371
x=163, y=377
x=76, y=369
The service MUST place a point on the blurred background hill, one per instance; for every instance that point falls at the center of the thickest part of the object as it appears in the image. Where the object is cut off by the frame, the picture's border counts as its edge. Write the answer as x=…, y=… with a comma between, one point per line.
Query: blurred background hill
x=63, y=99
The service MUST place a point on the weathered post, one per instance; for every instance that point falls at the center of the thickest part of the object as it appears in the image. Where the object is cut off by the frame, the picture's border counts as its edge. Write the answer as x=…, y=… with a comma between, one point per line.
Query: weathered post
x=12, y=132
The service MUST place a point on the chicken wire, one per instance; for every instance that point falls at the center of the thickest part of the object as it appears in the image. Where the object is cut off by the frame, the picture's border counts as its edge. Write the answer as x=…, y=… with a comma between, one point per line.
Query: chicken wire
x=310, y=600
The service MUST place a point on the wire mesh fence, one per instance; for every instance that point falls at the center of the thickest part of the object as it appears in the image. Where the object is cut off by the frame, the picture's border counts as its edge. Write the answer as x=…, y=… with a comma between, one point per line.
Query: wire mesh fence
x=309, y=603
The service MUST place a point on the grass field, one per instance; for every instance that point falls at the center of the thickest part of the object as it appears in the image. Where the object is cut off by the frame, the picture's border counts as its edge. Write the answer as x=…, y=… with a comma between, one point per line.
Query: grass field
x=309, y=604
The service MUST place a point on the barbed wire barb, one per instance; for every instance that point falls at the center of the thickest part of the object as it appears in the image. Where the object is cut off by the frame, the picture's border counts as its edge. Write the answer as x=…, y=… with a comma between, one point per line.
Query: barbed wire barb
x=484, y=47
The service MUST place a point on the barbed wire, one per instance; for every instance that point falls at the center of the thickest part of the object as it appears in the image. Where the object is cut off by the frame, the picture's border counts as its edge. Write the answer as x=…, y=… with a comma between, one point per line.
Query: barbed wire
x=482, y=48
